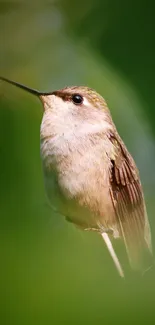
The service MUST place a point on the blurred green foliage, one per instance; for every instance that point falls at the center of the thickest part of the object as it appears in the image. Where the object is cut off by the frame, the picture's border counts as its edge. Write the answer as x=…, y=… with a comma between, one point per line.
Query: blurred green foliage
x=52, y=273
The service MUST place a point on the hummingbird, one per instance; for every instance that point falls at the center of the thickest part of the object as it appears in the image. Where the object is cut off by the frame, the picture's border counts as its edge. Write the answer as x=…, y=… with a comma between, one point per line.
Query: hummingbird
x=90, y=177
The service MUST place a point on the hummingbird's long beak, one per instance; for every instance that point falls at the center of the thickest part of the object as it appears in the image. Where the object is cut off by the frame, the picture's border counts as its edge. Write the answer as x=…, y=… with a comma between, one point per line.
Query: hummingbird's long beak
x=30, y=90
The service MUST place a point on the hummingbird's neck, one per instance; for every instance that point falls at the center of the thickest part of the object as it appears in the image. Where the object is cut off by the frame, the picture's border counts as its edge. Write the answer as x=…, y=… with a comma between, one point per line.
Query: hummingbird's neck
x=68, y=126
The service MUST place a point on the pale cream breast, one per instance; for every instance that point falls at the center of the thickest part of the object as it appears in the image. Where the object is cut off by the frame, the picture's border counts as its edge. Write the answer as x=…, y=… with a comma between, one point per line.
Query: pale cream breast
x=77, y=179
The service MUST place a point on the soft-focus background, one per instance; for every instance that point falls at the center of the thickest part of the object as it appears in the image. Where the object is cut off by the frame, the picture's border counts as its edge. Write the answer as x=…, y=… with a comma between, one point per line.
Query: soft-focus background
x=52, y=273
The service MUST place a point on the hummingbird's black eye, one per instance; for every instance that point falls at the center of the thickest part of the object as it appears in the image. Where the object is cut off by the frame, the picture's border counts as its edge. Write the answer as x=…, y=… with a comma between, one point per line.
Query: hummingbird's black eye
x=77, y=99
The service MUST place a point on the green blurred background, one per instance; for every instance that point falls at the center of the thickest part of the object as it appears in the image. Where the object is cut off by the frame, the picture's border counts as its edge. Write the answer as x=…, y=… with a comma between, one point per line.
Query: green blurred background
x=52, y=273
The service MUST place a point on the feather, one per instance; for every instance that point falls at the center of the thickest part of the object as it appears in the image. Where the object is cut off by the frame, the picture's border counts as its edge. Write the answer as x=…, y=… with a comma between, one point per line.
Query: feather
x=129, y=206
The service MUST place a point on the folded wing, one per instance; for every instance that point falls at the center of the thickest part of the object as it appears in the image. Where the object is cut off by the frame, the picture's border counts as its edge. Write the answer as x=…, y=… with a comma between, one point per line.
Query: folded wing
x=128, y=202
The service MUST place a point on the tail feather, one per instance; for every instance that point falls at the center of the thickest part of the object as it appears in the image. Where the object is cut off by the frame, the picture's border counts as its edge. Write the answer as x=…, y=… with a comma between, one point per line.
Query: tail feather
x=138, y=247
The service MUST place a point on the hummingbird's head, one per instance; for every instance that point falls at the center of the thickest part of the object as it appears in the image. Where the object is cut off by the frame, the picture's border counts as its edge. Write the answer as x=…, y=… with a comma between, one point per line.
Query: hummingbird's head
x=76, y=98
x=74, y=111
x=78, y=102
